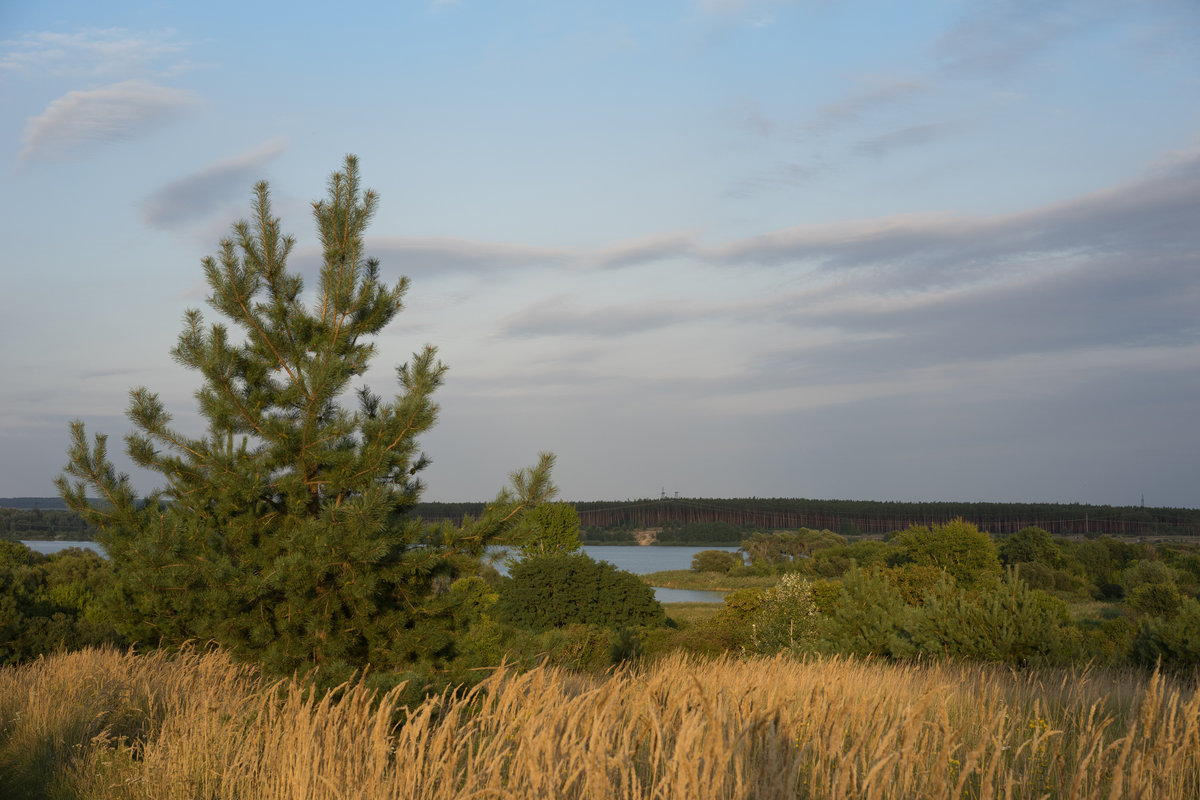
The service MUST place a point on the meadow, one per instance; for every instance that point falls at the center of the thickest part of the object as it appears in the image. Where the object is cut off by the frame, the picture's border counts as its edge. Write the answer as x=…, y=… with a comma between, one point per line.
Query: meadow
x=104, y=723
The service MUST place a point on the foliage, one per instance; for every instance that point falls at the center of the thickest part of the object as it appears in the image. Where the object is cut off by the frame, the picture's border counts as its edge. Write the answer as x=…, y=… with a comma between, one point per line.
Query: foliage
x=547, y=529
x=697, y=533
x=732, y=627
x=48, y=603
x=1003, y=621
x=785, y=547
x=786, y=617
x=957, y=547
x=553, y=591
x=715, y=561
x=867, y=617
x=830, y=562
x=1172, y=642
x=1146, y=571
x=1156, y=599
x=283, y=532
x=38, y=523
x=1030, y=545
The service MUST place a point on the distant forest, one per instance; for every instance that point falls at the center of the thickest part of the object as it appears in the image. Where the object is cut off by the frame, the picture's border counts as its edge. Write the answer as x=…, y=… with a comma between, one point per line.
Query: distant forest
x=698, y=521
x=860, y=517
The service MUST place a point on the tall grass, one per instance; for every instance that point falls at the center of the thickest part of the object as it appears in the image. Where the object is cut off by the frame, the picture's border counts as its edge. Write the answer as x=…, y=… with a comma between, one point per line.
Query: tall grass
x=100, y=724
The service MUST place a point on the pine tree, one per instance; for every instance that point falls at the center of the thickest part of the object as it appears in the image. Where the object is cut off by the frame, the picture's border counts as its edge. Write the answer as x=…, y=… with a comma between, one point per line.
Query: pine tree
x=284, y=532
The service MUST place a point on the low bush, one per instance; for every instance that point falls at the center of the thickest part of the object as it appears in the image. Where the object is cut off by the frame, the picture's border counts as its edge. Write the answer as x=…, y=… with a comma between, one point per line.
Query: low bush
x=715, y=561
x=553, y=591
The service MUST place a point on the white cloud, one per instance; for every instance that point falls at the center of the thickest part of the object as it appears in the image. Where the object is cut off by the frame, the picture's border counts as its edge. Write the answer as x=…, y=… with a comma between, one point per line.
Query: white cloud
x=80, y=119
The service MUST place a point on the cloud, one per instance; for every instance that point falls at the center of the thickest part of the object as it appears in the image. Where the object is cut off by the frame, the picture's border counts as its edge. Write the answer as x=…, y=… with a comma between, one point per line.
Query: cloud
x=194, y=197
x=1111, y=270
x=862, y=103
x=645, y=250
x=91, y=52
x=910, y=136
x=432, y=256
x=559, y=316
x=82, y=119
x=1155, y=213
x=1000, y=35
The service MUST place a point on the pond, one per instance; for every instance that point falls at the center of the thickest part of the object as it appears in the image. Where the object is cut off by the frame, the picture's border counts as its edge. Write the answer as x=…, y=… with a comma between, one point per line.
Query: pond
x=632, y=558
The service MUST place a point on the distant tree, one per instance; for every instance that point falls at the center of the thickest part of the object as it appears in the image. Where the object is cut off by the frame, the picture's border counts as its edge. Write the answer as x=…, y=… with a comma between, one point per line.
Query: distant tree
x=48, y=603
x=957, y=547
x=715, y=561
x=782, y=547
x=1030, y=545
x=284, y=531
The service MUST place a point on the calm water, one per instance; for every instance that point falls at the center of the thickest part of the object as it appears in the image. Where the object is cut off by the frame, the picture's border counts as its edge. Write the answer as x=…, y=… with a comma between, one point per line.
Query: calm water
x=635, y=559
x=48, y=547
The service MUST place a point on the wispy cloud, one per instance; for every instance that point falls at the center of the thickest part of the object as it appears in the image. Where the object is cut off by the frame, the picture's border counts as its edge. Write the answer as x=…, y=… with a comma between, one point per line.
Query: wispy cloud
x=562, y=316
x=876, y=302
x=210, y=188
x=997, y=35
x=862, y=103
x=78, y=120
x=1112, y=269
x=432, y=256
x=92, y=53
x=909, y=136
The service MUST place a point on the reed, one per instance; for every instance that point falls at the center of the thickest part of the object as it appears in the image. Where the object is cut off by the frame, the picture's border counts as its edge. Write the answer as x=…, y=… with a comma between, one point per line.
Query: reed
x=195, y=725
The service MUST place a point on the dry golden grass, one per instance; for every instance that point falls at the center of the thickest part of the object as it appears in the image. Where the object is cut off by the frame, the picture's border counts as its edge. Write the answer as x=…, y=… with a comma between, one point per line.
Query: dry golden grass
x=196, y=726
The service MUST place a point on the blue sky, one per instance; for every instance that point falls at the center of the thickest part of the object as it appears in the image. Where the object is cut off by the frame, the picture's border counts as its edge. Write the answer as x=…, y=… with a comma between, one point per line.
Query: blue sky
x=862, y=250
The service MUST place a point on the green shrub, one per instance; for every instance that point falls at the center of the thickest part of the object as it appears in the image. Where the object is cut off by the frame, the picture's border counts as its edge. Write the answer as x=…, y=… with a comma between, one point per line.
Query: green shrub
x=715, y=561
x=1155, y=599
x=1107, y=641
x=957, y=547
x=1144, y=572
x=1005, y=621
x=1030, y=545
x=1036, y=574
x=553, y=591
x=48, y=603
x=866, y=618
x=786, y=617
x=1173, y=642
x=731, y=628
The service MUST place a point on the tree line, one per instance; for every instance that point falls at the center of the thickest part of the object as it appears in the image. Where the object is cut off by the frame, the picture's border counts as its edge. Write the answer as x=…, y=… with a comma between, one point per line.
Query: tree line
x=865, y=516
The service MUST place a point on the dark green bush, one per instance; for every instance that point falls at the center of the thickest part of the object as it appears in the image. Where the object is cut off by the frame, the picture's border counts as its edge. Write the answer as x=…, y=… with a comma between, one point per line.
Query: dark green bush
x=866, y=617
x=553, y=591
x=715, y=561
x=1155, y=599
x=49, y=603
x=1003, y=621
x=1173, y=642
x=732, y=627
x=1030, y=545
x=956, y=547
x=1036, y=574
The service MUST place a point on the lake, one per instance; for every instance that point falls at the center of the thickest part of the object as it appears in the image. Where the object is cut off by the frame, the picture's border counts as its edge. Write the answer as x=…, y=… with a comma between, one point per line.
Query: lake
x=632, y=558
